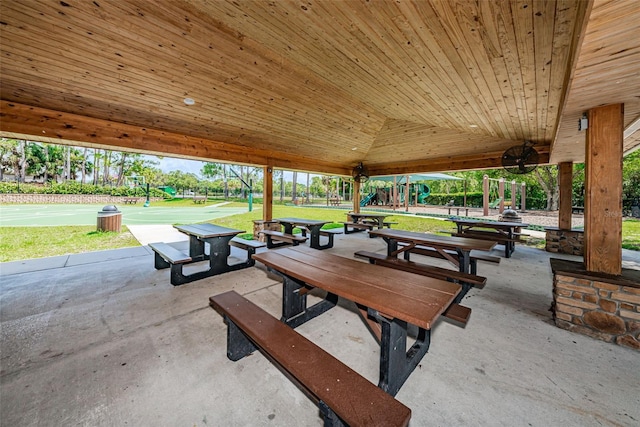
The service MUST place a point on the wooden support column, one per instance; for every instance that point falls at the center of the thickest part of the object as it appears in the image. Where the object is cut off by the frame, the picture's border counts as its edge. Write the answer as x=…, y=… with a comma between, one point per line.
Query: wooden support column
x=603, y=190
x=514, y=194
x=406, y=193
x=501, y=194
x=356, y=196
x=395, y=193
x=565, y=179
x=485, y=195
x=523, y=197
x=267, y=194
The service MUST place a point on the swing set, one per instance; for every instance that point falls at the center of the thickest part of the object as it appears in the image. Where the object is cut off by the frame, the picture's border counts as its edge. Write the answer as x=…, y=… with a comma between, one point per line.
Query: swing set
x=497, y=190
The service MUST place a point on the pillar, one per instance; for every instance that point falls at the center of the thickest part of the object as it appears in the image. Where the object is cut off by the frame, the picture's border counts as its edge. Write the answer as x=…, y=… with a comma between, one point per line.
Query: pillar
x=565, y=180
x=603, y=190
x=267, y=194
x=485, y=195
x=523, y=197
x=356, y=196
x=501, y=194
x=406, y=193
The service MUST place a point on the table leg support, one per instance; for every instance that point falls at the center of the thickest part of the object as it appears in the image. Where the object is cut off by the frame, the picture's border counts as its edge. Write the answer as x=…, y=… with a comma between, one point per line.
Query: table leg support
x=238, y=345
x=396, y=363
x=294, y=302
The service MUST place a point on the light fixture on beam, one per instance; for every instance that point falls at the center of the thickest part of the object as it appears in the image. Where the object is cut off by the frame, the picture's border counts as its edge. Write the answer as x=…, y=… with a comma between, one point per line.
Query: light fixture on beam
x=583, y=123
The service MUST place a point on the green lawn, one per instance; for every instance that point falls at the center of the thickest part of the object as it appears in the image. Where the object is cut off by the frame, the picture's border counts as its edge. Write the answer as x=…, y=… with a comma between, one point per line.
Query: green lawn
x=631, y=234
x=18, y=243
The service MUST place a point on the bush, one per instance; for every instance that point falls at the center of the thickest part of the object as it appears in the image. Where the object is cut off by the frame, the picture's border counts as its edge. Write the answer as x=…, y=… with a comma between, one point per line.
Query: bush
x=73, y=187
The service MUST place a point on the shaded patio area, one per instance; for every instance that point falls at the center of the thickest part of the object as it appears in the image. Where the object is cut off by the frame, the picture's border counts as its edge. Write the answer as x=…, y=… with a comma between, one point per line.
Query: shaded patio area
x=104, y=339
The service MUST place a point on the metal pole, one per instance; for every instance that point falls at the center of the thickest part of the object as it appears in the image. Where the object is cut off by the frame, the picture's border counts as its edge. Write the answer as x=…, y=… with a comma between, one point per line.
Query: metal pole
x=147, y=202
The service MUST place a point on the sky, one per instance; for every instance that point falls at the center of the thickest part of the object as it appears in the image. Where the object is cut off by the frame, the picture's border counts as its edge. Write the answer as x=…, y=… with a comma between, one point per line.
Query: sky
x=168, y=164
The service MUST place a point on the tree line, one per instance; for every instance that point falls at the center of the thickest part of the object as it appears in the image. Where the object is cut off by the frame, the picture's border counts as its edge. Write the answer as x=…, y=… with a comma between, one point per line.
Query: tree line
x=44, y=163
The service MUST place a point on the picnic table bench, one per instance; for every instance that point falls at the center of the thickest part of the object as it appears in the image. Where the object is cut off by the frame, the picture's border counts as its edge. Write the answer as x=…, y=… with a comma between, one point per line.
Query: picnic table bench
x=199, y=199
x=365, y=221
x=335, y=201
x=130, y=200
x=466, y=280
x=219, y=239
x=474, y=256
x=388, y=301
x=344, y=397
x=456, y=250
x=311, y=226
x=457, y=208
x=275, y=239
x=501, y=232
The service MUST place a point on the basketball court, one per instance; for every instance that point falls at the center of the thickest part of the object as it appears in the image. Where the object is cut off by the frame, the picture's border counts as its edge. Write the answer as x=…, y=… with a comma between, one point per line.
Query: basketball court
x=81, y=214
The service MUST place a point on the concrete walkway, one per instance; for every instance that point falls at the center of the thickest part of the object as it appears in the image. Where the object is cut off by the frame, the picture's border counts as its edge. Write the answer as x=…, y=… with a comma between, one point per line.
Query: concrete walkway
x=103, y=339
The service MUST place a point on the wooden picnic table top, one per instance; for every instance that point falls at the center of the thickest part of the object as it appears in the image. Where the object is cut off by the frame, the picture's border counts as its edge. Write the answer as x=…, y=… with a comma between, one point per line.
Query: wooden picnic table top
x=367, y=215
x=488, y=224
x=302, y=221
x=432, y=240
x=206, y=230
x=416, y=299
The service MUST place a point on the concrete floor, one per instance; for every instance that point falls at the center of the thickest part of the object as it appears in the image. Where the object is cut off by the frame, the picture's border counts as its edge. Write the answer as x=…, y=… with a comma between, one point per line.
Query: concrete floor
x=103, y=339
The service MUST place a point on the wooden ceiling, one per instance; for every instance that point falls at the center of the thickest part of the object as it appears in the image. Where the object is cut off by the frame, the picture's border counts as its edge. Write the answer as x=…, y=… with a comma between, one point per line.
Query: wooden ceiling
x=403, y=86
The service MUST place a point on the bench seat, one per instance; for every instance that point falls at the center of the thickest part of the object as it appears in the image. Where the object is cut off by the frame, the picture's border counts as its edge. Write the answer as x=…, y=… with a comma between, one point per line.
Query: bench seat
x=345, y=397
x=465, y=280
x=509, y=244
x=169, y=254
x=248, y=245
x=166, y=256
x=130, y=200
x=474, y=258
x=283, y=239
x=199, y=200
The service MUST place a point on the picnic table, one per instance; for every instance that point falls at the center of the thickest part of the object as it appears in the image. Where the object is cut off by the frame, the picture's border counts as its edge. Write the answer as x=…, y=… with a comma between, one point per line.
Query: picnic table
x=442, y=244
x=312, y=225
x=364, y=221
x=220, y=239
x=389, y=301
x=502, y=232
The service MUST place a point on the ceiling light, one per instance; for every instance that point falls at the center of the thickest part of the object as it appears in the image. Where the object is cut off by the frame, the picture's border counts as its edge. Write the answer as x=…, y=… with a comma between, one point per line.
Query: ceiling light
x=189, y=101
x=473, y=126
x=354, y=148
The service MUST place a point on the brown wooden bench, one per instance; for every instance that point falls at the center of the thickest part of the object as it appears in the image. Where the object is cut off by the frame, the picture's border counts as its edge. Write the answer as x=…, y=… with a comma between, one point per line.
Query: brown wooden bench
x=473, y=259
x=283, y=239
x=344, y=397
x=457, y=208
x=509, y=244
x=466, y=280
x=248, y=245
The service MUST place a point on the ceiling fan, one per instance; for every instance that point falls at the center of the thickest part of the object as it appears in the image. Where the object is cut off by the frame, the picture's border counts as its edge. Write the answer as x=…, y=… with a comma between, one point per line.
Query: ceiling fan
x=360, y=173
x=520, y=159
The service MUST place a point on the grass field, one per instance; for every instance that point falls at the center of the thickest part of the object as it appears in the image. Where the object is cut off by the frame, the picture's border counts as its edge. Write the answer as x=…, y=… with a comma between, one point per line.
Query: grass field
x=25, y=242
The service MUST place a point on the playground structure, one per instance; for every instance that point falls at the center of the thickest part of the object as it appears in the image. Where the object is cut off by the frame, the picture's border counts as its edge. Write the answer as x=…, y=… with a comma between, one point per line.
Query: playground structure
x=493, y=190
x=499, y=202
x=418, y=193
x=407, y=190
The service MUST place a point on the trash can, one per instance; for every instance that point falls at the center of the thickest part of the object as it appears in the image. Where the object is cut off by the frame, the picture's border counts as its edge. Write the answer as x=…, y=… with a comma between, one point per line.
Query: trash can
x=109, y=219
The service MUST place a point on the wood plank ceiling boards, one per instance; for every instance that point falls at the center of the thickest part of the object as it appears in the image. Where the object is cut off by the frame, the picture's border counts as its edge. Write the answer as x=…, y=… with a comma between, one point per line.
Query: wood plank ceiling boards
x=410, y=86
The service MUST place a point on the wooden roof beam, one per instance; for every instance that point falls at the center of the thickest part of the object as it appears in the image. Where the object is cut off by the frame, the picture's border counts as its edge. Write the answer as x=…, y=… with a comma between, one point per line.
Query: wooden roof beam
x=40, y=124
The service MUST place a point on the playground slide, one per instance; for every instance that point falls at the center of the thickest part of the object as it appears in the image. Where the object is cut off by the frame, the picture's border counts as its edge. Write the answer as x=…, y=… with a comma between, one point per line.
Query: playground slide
x=365, y=200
